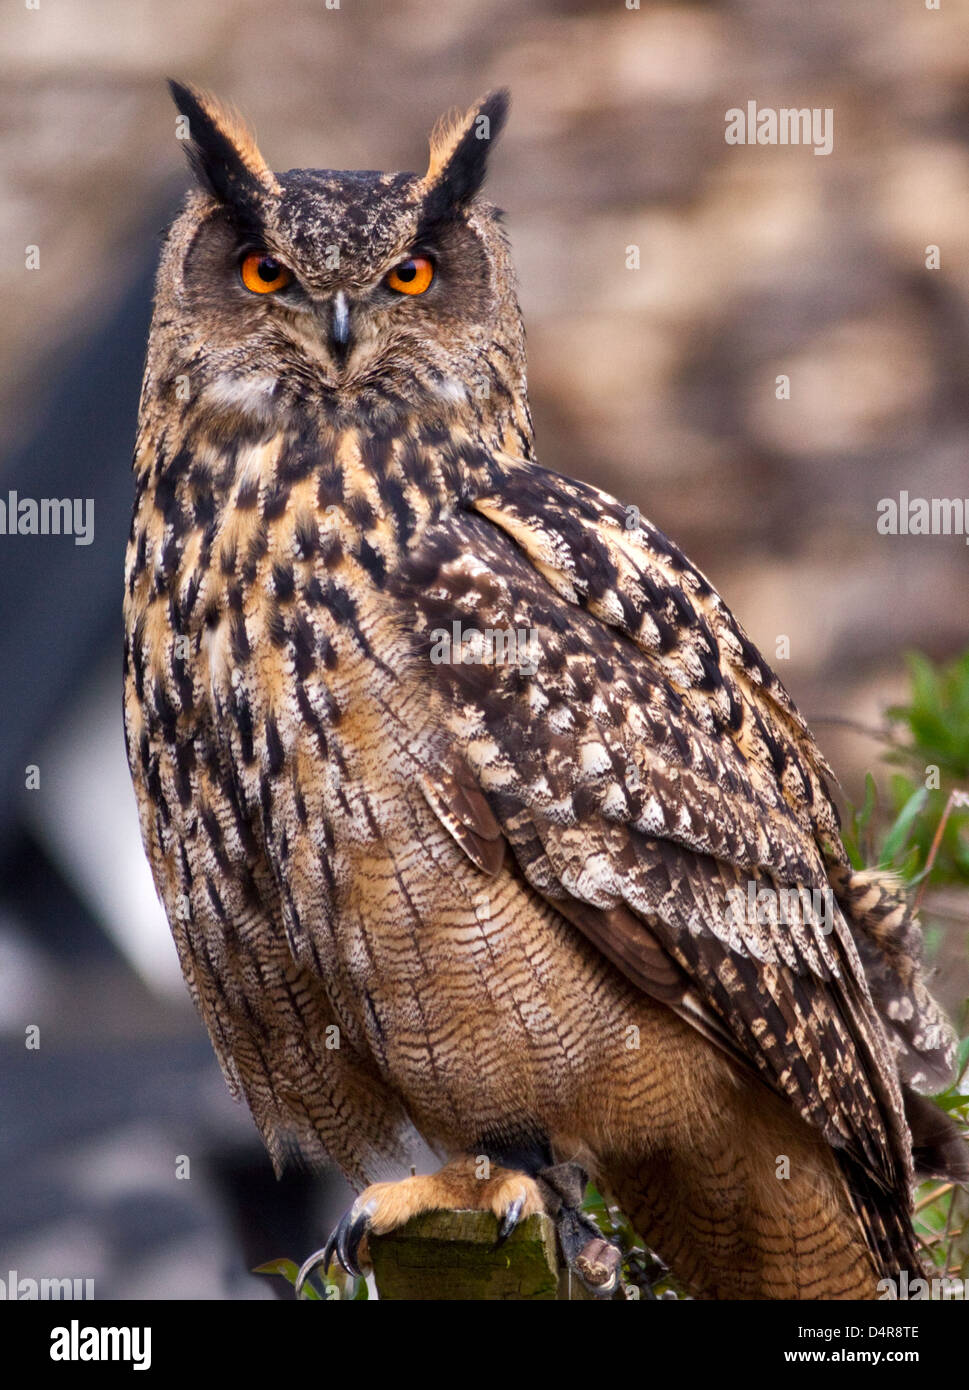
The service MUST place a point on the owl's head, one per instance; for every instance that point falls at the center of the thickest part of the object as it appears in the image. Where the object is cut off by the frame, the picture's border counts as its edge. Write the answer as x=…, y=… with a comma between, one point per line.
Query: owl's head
x=341, y=291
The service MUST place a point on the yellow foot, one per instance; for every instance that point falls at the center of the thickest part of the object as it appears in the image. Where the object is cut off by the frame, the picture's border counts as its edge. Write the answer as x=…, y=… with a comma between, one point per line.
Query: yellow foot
x=464, y=1184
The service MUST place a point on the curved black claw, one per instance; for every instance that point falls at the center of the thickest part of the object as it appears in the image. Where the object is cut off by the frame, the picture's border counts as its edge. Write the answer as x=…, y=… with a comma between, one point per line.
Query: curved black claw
x=510, y=1219
x=350, y=1231
x=344, y=1243
x=309, y=1266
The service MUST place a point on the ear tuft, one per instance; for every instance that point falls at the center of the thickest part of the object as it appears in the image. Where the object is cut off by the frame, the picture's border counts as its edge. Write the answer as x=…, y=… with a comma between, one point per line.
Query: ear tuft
x=222, y=149
x=460, y=145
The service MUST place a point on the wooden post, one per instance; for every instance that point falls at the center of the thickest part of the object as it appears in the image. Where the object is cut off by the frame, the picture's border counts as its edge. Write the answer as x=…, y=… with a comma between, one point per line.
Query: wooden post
x=448, y=1255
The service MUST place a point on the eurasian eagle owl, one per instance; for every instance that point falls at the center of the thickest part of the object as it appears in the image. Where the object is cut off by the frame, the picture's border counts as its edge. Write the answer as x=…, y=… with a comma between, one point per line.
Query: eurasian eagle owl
x=458, y=789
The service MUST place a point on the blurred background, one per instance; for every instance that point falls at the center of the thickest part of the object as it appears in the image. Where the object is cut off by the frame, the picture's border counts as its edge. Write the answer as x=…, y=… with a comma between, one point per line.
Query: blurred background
x=656, y=382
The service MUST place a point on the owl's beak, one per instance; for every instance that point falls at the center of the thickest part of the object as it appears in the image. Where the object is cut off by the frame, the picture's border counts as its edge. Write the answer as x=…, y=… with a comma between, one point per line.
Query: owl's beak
x=339, y=328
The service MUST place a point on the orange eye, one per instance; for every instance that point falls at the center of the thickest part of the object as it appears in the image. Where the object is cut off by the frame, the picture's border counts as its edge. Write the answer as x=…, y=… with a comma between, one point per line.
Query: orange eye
x=412, y=276
x=263, y=274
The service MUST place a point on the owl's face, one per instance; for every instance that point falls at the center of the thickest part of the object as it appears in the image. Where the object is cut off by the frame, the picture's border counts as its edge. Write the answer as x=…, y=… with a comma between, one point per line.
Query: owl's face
x=350, y=289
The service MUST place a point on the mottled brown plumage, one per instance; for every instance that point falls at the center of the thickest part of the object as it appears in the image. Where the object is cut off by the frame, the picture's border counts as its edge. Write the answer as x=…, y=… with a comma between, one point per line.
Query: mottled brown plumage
x=418, y=882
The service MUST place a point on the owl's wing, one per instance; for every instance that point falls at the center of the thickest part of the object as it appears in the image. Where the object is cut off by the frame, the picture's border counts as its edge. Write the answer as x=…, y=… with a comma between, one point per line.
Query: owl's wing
x=655, y=783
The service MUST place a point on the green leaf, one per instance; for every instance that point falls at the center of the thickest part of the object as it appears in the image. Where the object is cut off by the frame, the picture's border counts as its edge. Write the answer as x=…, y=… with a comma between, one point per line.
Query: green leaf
x=962, y=1058
x=286, y=1269
x=897, y=836
x=856, y=831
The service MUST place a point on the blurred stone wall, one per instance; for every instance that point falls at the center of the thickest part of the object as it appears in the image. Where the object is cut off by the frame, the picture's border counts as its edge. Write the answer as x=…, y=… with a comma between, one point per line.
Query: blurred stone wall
x=659, y=382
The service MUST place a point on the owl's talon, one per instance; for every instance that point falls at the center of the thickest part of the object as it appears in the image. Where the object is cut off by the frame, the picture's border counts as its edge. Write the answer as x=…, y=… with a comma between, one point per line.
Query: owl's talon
x=312, y=1263
x=351, y=1229
x=349, y=1249
x=511, y=1218
x=386, y=1206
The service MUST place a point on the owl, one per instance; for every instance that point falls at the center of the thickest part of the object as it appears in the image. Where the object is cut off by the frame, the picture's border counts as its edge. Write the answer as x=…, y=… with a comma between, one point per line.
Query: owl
x=479, y=821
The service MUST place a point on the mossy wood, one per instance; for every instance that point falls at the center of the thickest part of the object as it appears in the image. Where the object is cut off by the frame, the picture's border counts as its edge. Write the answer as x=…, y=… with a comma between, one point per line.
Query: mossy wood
x=453, y=1255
